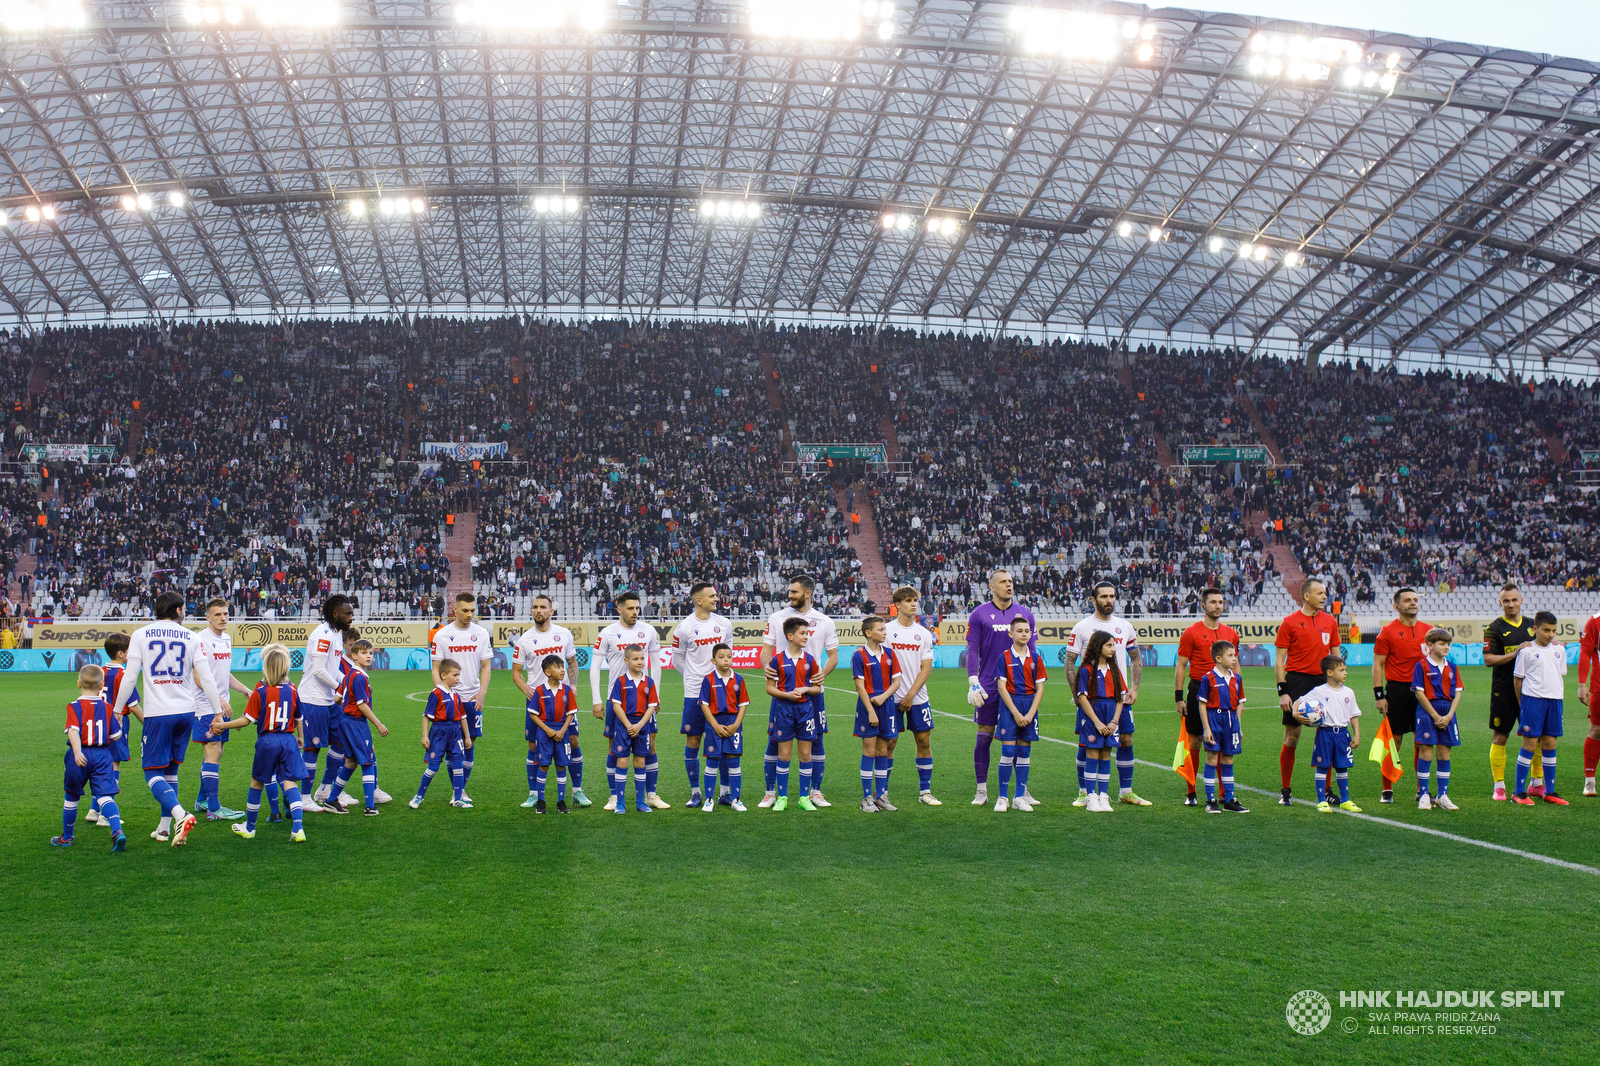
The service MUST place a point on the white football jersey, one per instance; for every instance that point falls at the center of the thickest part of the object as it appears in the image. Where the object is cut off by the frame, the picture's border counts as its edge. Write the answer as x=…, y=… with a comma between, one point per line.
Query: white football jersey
x=470, y=648
x=822, y=637
x=912, y=646
x=1541, y=670
x=218, y=649
x=692, y=642
x=325, y=645
x=165, y=657
x=532, y=647
x=614, y=640
x=1121, y=630
x=1340, y=704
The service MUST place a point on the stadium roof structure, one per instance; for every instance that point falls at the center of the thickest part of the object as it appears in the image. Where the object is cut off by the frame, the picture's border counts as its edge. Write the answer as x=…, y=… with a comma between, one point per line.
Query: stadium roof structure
x=1109, y=168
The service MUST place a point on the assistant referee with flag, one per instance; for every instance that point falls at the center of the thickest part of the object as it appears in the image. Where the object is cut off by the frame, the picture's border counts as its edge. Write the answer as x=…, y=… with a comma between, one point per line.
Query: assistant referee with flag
x=1399, y=647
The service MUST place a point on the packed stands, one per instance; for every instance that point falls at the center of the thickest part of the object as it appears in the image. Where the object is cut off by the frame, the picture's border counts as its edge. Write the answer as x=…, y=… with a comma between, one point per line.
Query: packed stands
x=272, y=465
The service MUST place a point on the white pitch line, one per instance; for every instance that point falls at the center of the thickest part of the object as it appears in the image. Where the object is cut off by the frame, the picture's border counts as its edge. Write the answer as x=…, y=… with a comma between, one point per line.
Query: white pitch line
x=1456, y=837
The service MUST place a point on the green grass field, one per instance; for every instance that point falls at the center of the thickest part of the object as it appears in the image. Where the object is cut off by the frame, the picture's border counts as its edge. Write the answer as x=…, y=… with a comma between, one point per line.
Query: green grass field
x=931, y=935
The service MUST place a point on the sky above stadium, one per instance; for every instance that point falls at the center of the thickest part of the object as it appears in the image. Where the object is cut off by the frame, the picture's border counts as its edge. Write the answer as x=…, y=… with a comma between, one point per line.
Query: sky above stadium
x=1556, y=27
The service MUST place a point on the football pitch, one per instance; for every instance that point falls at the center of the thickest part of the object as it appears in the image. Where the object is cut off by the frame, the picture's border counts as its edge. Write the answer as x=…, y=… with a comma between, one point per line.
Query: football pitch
x=929, y=935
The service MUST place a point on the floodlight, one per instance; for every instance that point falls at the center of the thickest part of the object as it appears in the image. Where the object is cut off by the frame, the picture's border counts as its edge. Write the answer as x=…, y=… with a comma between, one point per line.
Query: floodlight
x=129, y=204
x=1216, y=244
x=1125, y=229
x=1291, y=259
x=176, y=198
x=418, y=205
x=1245, y=249
x=32, y=16
x=358, y=208
x=1260, y=253
x=1077, y=34
x=3, y=219
x=820, y=19
x=48, y=211
x=587, y=15
x=1146, y=52
x=31, y=214
x=1155, y=234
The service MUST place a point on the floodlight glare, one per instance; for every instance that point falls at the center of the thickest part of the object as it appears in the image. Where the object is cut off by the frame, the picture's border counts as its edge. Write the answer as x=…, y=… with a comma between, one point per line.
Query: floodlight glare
x=732, y=209
x=418, y=205
x=1155, y=234
x=31, y=214
x=1245, y=249
x=176, y=198
x=32, y=16
x=145, y=202
x=1259, y=253
x=1291, y=259
x=1077, y=34
x=1125, y=229
x=3, y=219
x=129, y=204
x=1215, y=244
x=587, y=15
x=821, y=20
x=1146, y=52
x=48, y=211
x=358, y=208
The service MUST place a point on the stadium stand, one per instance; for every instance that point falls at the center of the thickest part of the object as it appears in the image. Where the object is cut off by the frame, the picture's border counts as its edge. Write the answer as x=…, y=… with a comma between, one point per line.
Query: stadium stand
x=271, y=465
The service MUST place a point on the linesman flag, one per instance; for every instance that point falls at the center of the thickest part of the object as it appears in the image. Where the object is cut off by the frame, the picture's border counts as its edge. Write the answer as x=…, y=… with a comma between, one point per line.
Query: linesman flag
x=1386, y=753
x=1182, y=758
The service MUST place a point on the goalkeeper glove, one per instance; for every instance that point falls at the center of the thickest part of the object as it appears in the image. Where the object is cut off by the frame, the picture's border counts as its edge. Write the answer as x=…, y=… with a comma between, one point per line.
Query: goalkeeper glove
x=975, y=693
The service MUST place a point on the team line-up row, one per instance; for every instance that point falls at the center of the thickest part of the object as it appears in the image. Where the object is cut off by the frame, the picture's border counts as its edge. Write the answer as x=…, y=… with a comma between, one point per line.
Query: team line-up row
x=332, y=709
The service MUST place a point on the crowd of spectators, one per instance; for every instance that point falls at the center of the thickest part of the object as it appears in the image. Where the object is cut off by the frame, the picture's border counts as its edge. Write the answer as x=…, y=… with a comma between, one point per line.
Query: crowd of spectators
x=1435, y=478
x=271, y=465
x=651, y=462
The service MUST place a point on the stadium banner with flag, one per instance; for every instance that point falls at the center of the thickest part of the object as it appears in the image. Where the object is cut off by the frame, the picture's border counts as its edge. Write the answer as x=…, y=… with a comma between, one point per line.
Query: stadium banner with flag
x=1199, y=454
x=814, y=452
x=69, y=453
x=463, y=452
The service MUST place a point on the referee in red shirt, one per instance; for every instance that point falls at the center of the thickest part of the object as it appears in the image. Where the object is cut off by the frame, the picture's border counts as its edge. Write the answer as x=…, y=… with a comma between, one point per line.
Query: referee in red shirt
x=1400, y=646
x=1194, y=657
x=1304, y=639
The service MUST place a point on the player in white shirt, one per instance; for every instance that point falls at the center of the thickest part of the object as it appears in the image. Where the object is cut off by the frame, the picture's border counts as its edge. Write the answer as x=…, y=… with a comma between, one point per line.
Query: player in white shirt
x=167, y=661
x=1538, y=679
x=609, y=648
x=536, y=642
x=692, y=642
x=468, y=644
x=1130, y=660
x=320, y=678
x=911, y=643
x=217, y=646
x=1338, y=731
x=822, y=644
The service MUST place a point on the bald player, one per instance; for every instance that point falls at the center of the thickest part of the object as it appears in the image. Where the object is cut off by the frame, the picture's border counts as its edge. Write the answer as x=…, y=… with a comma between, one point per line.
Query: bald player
x=1399, y=648
x=988, y=637
x=1305, y=638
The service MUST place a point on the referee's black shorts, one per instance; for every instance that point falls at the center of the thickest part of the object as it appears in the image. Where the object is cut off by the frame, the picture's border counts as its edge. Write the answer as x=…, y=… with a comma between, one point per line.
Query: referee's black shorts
x=1402, y=713
x=1191, y=711
x=1298, y=685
